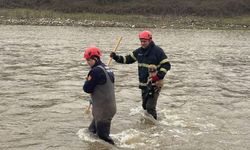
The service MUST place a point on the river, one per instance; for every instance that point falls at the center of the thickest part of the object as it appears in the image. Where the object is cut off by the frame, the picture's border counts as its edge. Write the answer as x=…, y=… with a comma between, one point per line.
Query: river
x=205, y=102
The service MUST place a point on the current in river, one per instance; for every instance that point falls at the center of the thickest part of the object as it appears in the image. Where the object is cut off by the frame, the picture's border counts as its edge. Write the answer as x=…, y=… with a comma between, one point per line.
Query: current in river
x=204, y=103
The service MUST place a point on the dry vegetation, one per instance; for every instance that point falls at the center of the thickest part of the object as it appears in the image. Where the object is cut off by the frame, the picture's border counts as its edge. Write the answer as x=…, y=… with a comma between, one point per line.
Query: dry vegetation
x=141, y=7
x=205, y=14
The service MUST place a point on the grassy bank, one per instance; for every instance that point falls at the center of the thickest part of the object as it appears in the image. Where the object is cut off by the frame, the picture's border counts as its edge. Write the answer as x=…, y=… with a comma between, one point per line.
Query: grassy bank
x=49, y=17
x=140, y=7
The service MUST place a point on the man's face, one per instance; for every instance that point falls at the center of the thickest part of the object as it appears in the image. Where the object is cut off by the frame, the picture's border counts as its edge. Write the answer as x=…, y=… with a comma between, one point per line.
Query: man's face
x=90, y=62
x=144, y=43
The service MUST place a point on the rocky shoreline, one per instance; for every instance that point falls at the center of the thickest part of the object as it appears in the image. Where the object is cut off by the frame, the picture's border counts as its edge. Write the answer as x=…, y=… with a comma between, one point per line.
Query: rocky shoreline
x=59, y=22
x=176, y=24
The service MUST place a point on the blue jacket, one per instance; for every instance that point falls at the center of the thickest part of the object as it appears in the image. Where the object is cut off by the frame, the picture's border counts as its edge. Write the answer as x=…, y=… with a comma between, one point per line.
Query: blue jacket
x=145, y=57
x=97, y=77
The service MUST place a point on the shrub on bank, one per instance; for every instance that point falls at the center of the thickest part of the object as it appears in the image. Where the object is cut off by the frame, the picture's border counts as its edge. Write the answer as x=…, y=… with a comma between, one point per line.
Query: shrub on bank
x=142, y=7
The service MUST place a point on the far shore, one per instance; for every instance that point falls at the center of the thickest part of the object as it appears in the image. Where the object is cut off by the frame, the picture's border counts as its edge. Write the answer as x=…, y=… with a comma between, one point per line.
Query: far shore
x=48, y=18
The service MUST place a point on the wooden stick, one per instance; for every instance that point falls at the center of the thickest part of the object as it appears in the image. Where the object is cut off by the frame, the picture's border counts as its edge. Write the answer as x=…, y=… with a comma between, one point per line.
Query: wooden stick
x=114, y=50
x=87, y=111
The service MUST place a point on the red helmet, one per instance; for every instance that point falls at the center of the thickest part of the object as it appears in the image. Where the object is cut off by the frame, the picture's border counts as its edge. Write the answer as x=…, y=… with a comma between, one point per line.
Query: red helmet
x=92, y=51
x=145, y=35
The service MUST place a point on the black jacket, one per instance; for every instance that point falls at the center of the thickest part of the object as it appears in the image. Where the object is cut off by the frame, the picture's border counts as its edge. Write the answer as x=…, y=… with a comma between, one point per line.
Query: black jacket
x=98, y=77
x=145, y=57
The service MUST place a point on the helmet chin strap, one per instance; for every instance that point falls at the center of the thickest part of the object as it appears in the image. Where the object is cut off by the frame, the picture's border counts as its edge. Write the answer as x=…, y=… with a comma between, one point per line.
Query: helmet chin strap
x=96, y=59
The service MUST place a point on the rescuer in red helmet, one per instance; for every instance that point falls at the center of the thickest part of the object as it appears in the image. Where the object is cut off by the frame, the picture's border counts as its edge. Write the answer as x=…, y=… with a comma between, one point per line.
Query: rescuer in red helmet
x=152, y=68
x=100, y=84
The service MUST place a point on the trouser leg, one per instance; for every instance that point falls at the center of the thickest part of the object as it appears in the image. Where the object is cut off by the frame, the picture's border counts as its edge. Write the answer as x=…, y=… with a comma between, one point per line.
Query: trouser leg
x=149, y=103
x=144, y=99
x=103, y=130
x=92, y=126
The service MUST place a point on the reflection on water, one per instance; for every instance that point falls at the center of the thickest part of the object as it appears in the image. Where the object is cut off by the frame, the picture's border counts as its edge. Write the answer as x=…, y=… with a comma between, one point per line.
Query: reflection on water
x=204, y=104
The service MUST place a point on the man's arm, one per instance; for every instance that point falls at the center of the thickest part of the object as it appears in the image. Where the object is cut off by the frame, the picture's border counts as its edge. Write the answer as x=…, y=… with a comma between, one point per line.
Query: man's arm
x=128, y=59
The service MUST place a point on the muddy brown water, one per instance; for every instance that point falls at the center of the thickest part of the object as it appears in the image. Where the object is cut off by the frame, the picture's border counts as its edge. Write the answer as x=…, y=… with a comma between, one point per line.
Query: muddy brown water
x=203, y=105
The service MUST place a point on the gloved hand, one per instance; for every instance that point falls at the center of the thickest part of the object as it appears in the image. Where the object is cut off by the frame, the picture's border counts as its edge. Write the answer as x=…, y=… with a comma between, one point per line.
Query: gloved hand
x=159, y=85
x=114, y=56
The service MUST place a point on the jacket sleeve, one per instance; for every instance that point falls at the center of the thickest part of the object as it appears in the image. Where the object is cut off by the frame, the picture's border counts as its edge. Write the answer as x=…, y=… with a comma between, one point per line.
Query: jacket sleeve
x=96, y=76
x=164, y=65
x=90, y=83
x=128, y=59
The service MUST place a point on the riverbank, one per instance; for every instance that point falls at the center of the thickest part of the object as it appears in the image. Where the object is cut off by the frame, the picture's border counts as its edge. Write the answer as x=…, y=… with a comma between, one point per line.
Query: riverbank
x=51, y=18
